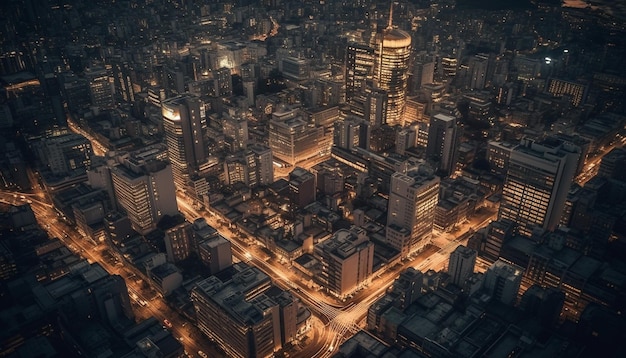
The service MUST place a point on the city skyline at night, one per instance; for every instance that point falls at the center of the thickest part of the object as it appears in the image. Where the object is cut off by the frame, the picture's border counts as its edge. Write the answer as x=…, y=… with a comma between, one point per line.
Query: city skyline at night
x=278, y=178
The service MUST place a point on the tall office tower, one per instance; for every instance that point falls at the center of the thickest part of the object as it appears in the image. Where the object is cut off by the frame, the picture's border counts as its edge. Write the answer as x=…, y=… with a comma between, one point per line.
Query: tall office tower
x=145, y=190
x=66, y=153
x=443, y=142
x=376, y=111
x=184, y=124
x=292, y=138
x=412, y=201
x=174, y=80
x=178, y=242
x=124, y=89
x=260, y=165
x=223, y=82
x=301, y=187
x=423, y=73
x=503, y=281
x=537, y=182
x=392, y=49
x=347, y=259
x=496, y=233
x=461, y=265
x=478, y=71
x=100, y=88
x=237, y=314
x=351, y=132
x=359, y=68
x=76, y=92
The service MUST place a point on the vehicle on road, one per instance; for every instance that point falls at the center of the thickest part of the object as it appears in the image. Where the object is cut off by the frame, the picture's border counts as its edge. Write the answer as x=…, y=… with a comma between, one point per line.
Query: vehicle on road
x=167, y=323
x=202, y=354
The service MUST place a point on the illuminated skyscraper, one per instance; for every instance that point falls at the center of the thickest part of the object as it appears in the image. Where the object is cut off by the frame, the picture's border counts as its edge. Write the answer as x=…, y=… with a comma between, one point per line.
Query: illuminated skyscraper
x=359, y=68
x=184, y=124
x=100, y=88
x=145, y=191
x=443, y=142
x=412, y=200
x=392, y=50
x=537, y=182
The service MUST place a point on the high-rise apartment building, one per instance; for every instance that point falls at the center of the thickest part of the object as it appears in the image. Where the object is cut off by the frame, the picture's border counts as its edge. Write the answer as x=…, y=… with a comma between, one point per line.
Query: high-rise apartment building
x=359, y=68
x=184, y=124
x=412, y=200
x=392, y=49
x=443, y=142
x=461, y=265
x=537, y=182
x=347, y=259
x=237, y=314
x=145, y=191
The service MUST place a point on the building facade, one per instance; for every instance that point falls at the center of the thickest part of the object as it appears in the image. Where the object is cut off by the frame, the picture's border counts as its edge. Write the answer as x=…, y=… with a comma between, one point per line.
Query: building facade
x=411, y=213
x=538, y=179
x=184, y=124
x=347, y=259
x=145, y=191
x=392, y=50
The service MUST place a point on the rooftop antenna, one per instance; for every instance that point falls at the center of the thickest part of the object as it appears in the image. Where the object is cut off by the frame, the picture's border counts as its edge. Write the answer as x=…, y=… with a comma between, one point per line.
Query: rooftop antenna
x=390, y=16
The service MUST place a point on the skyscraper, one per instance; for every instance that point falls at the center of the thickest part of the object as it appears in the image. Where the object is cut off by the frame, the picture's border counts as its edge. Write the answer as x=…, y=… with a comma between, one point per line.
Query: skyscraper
x=392, y=48
x=537, y=182
x=100, y=88
x=184, y=124
x=145, y=191
x=412, y=200
x=443, y=137
x=461, y=265
x=359, y=68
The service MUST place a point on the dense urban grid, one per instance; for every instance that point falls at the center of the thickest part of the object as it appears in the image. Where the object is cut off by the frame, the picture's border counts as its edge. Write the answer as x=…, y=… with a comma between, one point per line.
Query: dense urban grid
x=328, y=178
